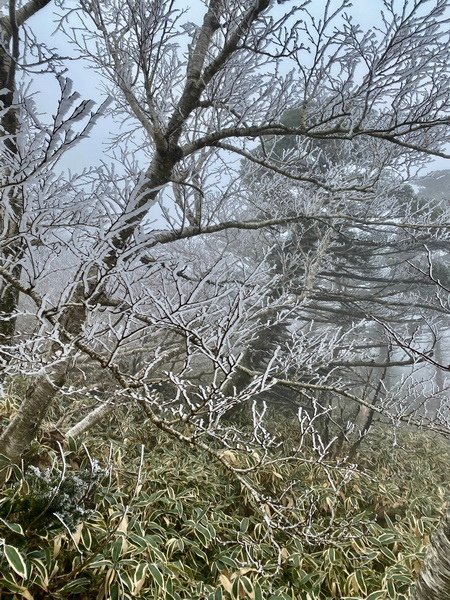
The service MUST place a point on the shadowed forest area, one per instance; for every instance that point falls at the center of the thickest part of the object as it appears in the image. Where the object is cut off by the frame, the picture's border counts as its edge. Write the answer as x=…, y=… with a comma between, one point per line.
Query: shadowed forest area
x=224, y=300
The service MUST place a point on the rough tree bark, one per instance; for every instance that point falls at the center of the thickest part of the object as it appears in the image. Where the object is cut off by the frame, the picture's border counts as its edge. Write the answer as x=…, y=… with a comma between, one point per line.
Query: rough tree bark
x=26, y=423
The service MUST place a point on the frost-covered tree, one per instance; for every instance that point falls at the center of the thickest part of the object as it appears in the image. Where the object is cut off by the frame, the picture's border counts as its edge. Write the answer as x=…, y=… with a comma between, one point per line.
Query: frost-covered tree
x=349, y=275
x=146, y=250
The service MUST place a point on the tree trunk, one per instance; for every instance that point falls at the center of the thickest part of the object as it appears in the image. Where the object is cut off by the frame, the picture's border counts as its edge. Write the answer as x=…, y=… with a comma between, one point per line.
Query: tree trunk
x=42, y=389
x=11, y=209
x=434, y=580
x=24, y=426
x=91, y=419
x=11, y=205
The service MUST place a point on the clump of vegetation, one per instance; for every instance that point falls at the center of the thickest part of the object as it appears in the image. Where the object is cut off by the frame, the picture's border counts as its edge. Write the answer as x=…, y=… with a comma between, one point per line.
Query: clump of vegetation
x=48, y=497
x=134, y=522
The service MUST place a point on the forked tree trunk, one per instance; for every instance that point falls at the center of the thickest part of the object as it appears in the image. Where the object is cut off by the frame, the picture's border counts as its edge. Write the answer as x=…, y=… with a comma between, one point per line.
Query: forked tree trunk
x=434, y=580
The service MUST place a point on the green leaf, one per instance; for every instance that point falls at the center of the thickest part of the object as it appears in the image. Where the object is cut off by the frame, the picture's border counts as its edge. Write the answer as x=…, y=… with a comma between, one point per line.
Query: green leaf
x=77, y=585
x=199, y=552
x=401, y=578
x=218, y=595
x=387, y=538
x=5, y=584
x=392, y=592
x=203, y=531
x=140, y=571
x=114, y=592
x=15, y=527
x=125, y=579
x=331, y=555
x=15, y=560
x=73, y=444
x=228, y=562
x=41, y=572
x=244, y=524
x=86, y=538
x=117, y=547
x=296, y=560
x=138, y=540
x=156, y=574
x=246, y=585
x=258, y=592
x=236, y=588
x=242, y=588
x=153, y=541
x=174, y=545
x=378, y=595
x=152, y=526
x=139, y=578
x=388, y=554
x=361, y=582
x=100, y=561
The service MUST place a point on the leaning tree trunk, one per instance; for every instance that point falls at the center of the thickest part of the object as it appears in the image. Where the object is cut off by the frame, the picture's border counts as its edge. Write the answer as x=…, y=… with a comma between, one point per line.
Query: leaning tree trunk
x=24, y=427
x=434, y=580
x=41, y=393
x=42, y=389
